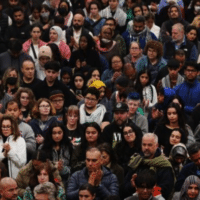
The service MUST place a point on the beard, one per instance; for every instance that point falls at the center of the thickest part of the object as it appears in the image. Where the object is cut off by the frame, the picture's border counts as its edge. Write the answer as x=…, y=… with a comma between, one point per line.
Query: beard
x=77, y=27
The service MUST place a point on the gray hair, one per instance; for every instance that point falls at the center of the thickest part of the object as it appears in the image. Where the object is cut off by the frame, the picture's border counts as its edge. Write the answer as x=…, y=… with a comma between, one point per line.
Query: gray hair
x=139, y=19
x=46, y=188
x=179, y=26
x=151, y=135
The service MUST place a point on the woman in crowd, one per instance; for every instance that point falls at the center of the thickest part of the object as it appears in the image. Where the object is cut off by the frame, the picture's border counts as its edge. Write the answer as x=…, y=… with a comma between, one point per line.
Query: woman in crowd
x=11, y=81
x=190, y=189
x=109, y=76
x=35, y=14
x=153, y=59
x=32, y=45
x=135, y=53
x=78, y=86
x=178, y=157
x=130, y=144
x=94, y=18
x=90, y=138
x=93, y=74
x=13, y=146
x=74, y=128
x=43, y=113
x=192, y=35
x=64, y=11
x=173, y=118
x=87, y=190
x=109, y=159
x=86, y=53
x=43, y=174
x=26, y=102
x=146, y=90
x=59, y=149
x=55, y=36
x=192, y=12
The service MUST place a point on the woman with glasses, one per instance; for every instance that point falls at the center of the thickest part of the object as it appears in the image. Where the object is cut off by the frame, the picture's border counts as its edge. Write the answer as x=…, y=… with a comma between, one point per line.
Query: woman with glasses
x=43, y=113
x=12, y=146
x=130, y=144
x=135, y=52
x=109, y=76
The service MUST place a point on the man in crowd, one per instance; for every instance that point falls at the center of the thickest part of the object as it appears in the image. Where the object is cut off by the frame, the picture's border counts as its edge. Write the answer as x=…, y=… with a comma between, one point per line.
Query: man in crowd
x=133, y=102
x=138, y=32
x=8, y=189
x=150, y=157
x=112, y=133
x=73, y=34
x=179, y=41
x=13, y=57
x=189, y=90
x=51, y=83
x=28, y=75
x=20, y=29
x=94, y=173
x=91, y=111
x=175, y=17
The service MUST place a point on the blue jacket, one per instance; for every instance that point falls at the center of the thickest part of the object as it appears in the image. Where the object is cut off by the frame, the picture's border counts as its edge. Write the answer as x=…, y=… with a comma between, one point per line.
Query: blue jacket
x=189, y=93
x=106, y=78
x=128, y=38
x=108, y=186
x=188, y=170
x=143, y=63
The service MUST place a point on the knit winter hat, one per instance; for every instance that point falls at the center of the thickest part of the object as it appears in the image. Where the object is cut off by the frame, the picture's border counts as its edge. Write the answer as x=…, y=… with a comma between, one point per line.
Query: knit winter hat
x=45, y=51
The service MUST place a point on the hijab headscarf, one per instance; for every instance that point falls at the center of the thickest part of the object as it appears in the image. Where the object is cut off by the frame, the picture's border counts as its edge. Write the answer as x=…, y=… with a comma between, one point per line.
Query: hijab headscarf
x=189, y=181
x=59, y=32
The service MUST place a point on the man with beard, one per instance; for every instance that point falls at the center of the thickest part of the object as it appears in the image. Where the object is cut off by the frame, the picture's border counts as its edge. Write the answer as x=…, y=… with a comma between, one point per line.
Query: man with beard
x=150, y=157
x=173, y=78
x=112, y=133
x=8, y=189
x=139, y=33
x=73, y=34
x=179, y=41
x=20, y=28
x=51, y=83
x=189, y=90
x=174, y=18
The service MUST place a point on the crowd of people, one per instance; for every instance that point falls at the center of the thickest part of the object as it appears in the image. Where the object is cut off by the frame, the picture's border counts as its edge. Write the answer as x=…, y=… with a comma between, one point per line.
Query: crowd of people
x=100, y=99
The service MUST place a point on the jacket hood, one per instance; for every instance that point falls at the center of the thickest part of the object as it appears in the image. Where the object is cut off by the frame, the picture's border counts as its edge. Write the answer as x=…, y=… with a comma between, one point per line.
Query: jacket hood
x=179, y=149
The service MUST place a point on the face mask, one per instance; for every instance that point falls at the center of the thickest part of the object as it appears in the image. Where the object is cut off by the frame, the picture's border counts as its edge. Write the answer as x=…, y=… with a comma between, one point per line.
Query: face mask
x=45, y=15
x=11, y=80
x=62, y=11
x=197, y=8
x=106, y=41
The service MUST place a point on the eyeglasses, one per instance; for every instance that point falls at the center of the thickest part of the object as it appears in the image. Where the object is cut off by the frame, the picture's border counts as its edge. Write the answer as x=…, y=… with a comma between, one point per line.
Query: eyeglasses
x=191, y=71
x=6, y=127
x=134, y=48
x=58, y=100
x=89, y=99
x=130, y=132
x=43, y=106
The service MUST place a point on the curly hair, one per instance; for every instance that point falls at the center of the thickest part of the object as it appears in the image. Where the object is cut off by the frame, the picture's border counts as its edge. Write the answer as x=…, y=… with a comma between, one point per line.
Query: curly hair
x=35, y=110
x=14, y=126
x=31, y=97
x=156, y=46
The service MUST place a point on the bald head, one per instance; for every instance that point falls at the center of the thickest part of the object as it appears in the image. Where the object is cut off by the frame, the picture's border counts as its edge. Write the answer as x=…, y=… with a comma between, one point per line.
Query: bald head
x=8, y=189
x=78, y=21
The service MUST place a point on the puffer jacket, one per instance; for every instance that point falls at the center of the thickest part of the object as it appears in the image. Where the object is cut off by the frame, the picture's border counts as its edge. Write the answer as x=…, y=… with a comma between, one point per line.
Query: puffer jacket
x=16, y=155
x=108, y=186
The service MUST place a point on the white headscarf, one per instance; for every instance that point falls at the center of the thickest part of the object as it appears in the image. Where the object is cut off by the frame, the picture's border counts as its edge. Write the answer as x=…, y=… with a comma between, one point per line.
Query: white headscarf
x=59, y=32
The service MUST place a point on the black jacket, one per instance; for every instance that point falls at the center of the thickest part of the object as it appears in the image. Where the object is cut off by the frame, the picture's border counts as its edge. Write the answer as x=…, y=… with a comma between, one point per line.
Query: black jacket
x=43, y=91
